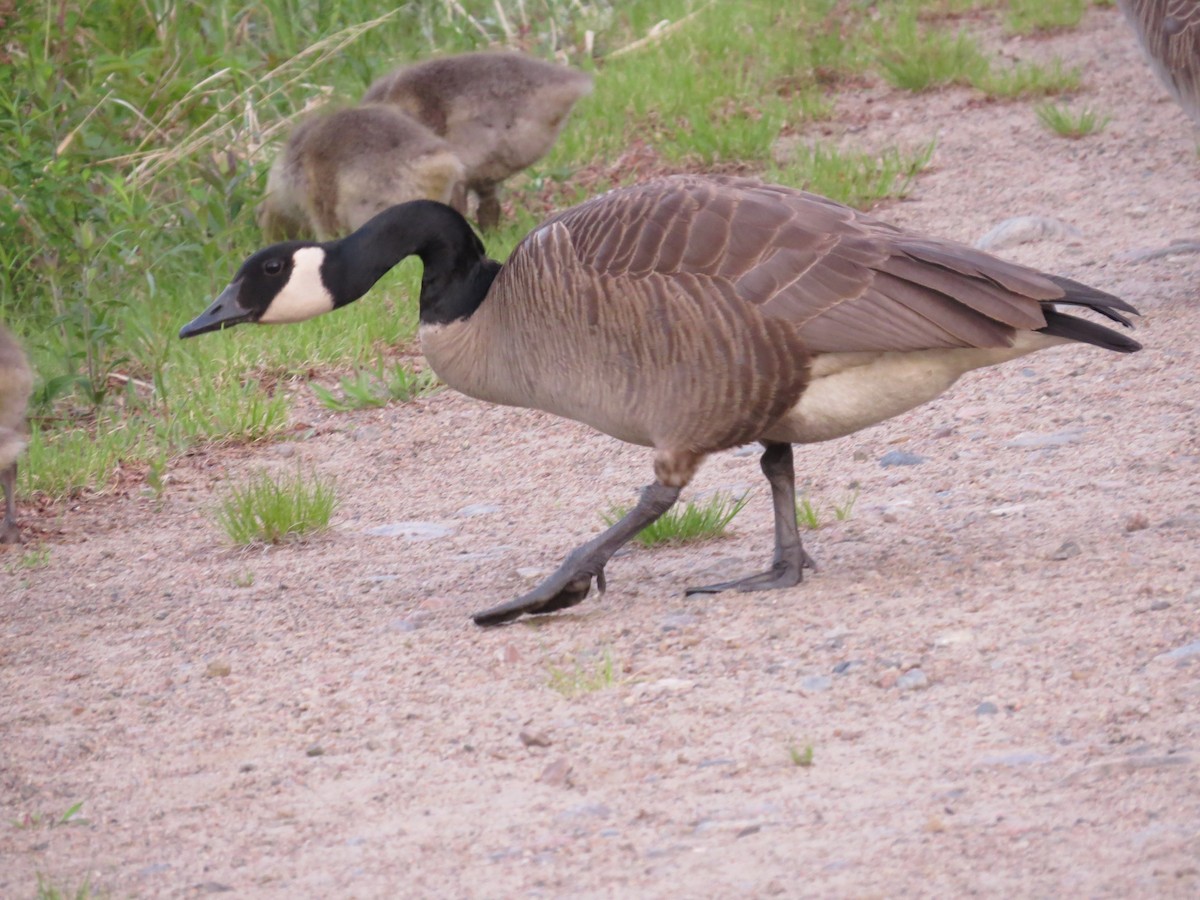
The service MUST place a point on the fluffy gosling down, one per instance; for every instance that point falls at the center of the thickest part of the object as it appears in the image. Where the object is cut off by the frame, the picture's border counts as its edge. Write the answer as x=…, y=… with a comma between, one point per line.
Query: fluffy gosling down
x=16, y=384
x=338, y=169
x=500, y=111
x=689, y=314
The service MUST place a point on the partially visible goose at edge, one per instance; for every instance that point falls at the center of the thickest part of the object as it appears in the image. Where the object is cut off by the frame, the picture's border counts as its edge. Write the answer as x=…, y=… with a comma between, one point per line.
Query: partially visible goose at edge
x=340, y=168
x=689, y=314
x=1169, y=32
x=500, y=111
x=16, y=383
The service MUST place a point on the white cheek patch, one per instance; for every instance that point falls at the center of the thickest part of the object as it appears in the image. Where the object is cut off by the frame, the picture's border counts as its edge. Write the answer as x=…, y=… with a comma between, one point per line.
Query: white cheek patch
x=305, y=295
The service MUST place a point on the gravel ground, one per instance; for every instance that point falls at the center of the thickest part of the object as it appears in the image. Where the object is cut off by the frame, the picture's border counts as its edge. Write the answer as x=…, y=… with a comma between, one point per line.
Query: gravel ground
x=996, y=667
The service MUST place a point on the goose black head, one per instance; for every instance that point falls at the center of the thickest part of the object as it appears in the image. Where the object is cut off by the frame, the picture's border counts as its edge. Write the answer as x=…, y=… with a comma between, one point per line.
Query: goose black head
x=283, y=283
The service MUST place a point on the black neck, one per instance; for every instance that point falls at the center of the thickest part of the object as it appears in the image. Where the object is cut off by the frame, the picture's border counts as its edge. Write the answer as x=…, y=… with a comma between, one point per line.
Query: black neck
x=458, y=272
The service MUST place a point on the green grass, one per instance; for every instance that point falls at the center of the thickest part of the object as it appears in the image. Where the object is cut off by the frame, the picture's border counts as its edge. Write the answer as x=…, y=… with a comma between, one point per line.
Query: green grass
x=917, y=58
x=1039, y=16
x=687, y=523
x=802, y=757
x=1065, y=123
x=269, y=510
x=1026, y=80
x=138, y=136
x=809, y=515
x=368, y=388
x=856, y=179
x=583, y=676
x=30, y=560
x=48, y=890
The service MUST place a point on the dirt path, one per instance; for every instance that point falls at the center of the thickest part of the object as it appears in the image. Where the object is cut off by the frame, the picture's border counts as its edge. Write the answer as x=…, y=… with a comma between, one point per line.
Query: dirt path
x=996, y=667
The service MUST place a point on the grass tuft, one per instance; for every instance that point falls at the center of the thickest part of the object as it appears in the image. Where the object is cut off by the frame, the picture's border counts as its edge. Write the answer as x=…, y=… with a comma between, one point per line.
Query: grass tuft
x=1063, y=122
x=856, y=179
x=914, y=58
x=48, y=890
x=1041, y=16
x=808, y=514
x=269, y=510
x=801, y=757
x=694, y=521
x=1029, y=80
x=581, y=678
x=368, y=388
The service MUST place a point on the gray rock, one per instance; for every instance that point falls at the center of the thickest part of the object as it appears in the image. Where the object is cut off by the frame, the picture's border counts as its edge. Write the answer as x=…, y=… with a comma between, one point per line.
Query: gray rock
x=412, y=531
x=987, y=708
x=815, y=684
x=1026, y=229
x=478, y=509
x=678, y=621
x=1187, y=651
x=411, y=622
x=1066, y=550
x=1186, y=520
x=1017, y=759
x=846, y=666
x=367, y=433
x=1032, y=440
x=314, y=750
x=913, y=680
x=900, y=458
x=585, y=811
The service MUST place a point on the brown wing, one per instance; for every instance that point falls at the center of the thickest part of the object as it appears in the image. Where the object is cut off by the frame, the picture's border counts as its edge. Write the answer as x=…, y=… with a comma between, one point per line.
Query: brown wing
x=844, y=281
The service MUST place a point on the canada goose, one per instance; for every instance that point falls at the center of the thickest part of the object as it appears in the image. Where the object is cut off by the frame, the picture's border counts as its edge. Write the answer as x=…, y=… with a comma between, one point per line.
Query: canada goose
x=689, y=314
x=1169, y=32
x=339, y=169
x=16, y=383
x=501, y=112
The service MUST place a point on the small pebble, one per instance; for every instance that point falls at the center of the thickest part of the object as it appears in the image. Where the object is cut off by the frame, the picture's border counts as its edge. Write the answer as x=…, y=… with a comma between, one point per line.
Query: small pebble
x=534, y=739
x=846, y=666
x=815, y=684
x=900, y=458
x=1032, y=440
x=218, y=668
x=678, y=621
x=1136, y=522
x=987, y=708
x=413, y=531
x=1066, y=550
x=315, y=750
x=913, y=680
x=478, y=509
x=1187, y=651
x=557, y=774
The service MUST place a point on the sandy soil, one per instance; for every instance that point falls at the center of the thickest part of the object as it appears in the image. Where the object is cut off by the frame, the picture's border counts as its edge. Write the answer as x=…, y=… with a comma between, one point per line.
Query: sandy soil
x=996, y=666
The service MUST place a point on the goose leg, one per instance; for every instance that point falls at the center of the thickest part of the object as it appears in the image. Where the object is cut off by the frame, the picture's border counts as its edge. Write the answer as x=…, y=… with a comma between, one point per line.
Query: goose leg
x=488, y=211
x=790, y=561
x=573, y=580
x=9, y=532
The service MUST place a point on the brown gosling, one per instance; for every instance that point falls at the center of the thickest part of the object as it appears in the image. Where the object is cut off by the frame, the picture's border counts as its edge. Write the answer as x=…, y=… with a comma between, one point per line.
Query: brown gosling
x=501, y=112
x=16, y=384
x=339, y=169
x=689, y=314
x=1169, y=32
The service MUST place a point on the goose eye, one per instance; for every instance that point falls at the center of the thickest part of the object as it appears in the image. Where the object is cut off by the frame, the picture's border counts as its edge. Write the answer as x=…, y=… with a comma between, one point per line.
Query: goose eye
x=273, y=266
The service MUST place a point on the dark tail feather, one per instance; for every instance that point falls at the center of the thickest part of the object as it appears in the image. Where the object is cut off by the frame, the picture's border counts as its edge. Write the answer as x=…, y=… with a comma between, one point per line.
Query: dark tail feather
x=1098, y=301
x=1076, y=329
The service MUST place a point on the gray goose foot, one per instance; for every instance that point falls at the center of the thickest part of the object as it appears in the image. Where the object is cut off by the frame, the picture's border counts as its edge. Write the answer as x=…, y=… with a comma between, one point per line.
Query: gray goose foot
x=783, y=573
x=791, y=559
x=572, y=581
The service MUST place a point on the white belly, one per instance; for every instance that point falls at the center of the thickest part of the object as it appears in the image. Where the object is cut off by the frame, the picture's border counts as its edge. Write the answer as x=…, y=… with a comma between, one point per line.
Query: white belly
x=850, y=391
